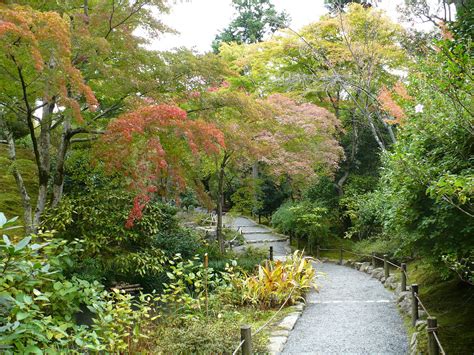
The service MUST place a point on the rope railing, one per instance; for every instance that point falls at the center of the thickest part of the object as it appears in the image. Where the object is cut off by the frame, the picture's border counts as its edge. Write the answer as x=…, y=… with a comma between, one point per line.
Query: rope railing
x=439, y=342
x=238, y=348
x=394, y=265
x=421, y=304
x=405, y=273
x=378, y=258
x=279, y=310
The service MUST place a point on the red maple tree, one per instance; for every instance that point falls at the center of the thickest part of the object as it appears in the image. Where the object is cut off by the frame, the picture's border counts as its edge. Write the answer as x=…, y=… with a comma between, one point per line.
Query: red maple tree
x=153, y=147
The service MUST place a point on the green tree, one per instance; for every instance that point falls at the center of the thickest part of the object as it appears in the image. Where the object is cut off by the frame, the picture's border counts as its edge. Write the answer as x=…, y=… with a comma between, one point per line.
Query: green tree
x=255, y=19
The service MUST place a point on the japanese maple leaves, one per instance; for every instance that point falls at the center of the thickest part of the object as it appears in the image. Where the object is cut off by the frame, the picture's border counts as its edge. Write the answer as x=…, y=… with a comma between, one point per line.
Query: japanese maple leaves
x=41, y=42
x=154, y=147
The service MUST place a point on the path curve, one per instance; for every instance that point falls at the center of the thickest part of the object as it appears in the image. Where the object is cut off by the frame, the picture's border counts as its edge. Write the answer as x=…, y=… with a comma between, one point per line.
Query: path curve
x=352, y=314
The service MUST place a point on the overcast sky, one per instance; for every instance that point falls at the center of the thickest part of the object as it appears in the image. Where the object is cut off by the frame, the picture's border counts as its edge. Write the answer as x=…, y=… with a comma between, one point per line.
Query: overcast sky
x=198, y=21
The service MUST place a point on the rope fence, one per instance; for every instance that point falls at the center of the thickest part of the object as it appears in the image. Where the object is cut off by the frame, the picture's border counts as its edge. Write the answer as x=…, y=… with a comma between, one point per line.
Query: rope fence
x=439, y=343
x=238, y=348
x=434, y=344
x=394, y=265
x=422, y=305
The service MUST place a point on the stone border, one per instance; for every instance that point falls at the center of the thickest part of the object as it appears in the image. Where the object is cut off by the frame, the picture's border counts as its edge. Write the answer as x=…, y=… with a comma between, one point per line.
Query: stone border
x=403, y=298
x=281, y=330
x=254, y=241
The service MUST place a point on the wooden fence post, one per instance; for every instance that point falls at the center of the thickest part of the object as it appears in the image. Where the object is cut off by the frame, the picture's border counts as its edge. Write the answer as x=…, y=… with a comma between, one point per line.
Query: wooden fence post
x=271, y=253
x=340, y=256
x=403, y=272
x=385, y=267
x=206, y=265
x=246, y=337
x=373, y=259
x=433, y=348
x=318, y=252
x=414, y=304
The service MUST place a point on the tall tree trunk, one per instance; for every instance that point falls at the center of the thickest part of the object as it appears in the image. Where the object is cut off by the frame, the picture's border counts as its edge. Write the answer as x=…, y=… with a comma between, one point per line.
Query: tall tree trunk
x=254, y=182
x=390, y=131
x=58, y=181
x=220, y=201
x=375, y=133
x=25, y=197
x=44, y=143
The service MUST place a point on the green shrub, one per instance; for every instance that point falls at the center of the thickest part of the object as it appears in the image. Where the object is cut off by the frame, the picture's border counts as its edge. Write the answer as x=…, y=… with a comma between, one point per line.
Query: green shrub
x=112, y=252
x=39, y=305
x=304, y=220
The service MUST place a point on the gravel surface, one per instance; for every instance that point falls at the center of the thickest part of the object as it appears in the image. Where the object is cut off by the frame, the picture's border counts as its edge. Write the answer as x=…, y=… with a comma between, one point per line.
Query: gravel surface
x=351, y=314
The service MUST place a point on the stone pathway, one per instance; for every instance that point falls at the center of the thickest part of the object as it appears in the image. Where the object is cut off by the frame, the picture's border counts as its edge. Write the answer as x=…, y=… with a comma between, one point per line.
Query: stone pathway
x=259, y=236
x=352, y=314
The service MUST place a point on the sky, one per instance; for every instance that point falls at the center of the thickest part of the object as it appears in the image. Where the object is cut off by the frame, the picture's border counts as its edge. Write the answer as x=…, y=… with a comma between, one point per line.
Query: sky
x=198, y=21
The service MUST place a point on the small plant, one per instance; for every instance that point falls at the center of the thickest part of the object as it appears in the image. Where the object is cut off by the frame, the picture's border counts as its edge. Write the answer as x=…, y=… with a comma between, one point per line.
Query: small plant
x=278, y=282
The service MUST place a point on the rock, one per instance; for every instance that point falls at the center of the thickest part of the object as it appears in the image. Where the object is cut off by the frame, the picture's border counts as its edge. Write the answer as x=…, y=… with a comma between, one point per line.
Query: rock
x=403, y=295
x=289, y=321
x=405, y=305
x=420, y=325
x=370, y=269
x=364, y=266
x=414, y=344
x=299, y=307
x=280, y=333
x=357, y=265
x=275, y=345
x=391, y=279
x=391, y=282
x=377, y=273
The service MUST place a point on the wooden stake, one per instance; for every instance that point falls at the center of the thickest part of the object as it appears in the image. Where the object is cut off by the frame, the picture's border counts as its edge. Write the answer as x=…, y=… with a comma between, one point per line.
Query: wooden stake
x=246, y=336
x=206, y=264
x=414, y=304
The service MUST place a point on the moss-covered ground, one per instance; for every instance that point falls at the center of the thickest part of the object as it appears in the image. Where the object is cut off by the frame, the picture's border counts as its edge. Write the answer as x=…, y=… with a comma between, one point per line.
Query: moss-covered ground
x=10, y=200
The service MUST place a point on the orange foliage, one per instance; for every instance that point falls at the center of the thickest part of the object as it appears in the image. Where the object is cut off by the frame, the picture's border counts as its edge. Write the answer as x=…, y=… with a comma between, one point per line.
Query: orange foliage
x=43, y=39
x=146, y=146
x=390, y=106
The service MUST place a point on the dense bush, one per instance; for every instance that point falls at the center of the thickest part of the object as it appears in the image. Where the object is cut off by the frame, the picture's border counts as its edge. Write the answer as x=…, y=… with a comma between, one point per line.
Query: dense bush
x=304, y=220
x=39, y=305
x=95, y=209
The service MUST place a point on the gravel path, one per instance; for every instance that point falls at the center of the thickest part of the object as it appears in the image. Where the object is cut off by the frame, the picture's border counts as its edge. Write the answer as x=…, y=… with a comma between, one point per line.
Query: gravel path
x=352, y=314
